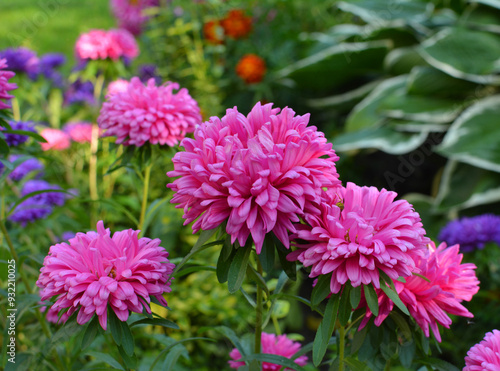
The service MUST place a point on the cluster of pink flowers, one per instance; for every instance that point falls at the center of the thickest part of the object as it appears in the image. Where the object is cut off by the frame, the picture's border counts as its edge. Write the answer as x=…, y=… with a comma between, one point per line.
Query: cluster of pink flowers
x=130, y=14
x=360, y=231
x=95, y=270
x=485, y=355
x=80, y=132
x=5, y=85
x=56, y=139
x=271, y=344
x=259, y=172
x=449, y=282
x=102, y=44
x=149, y=113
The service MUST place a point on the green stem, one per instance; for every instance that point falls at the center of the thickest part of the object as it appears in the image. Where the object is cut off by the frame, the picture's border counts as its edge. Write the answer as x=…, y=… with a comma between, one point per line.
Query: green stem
x=258, y=312
x=94, y=196
x=341, y=347
x=145, y=191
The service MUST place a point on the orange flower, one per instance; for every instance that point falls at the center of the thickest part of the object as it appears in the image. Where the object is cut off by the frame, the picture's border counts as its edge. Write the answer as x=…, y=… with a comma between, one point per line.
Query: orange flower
x=251, y=68
x=236, y=24
x=213, y=32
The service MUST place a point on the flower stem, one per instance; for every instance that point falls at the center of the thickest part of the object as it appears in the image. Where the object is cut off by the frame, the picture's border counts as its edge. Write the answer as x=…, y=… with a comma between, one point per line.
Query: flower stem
x=145, y=191
x=341, y=347
x=94, y=143
x=258, y=312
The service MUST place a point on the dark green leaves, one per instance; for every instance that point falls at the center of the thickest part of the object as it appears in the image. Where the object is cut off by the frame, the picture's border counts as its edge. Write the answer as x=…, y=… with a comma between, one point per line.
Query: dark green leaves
x=238, y=268
x=325, y=329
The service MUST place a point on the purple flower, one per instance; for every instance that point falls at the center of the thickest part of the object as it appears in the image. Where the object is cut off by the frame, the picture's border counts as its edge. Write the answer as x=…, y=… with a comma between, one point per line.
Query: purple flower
x=22, y=60
x=67, y=236
x=24, y=168
x=148, y=71
x=472, y=232
x=80, y=92
x=14, y=140
x=47, y=198
x=30, y=210
x=48, y=64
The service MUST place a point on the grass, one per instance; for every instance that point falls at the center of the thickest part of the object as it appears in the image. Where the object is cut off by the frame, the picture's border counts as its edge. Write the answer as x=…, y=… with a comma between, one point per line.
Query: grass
x=51, y=25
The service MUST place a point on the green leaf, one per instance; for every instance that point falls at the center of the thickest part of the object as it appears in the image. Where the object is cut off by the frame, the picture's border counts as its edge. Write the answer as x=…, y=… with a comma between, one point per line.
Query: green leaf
x=290, y=267
x=455, y=50
x=238, y=268
x=129, y=360
x=371, y=299
x=169, y=347
x=366, y=114
x=267, y=254
x=200, y=244
x=350, y=58
x=90, y=332
x=115, y=327
x=383, y=138
x=231, y=335
x=474, y=137
x=355, y=296
x=155, y=322
x=407, y=353
x=402, y=325
x=424, y=80
x=393, y=295
x=439, y=364
x=378, y=12
x=463, y=186
x=345, y=306
x=358, y=339
x=274, y=359
x=257, y=277
x=223, y=263
x=400, y=61
x=105, y=358
x=325, y=329
x=128, y=339
x=28, y=133
x=4, y=147
x=173, y=356
x=321, y=290
x=354, y=364
x=421, y=276
x=29, y=195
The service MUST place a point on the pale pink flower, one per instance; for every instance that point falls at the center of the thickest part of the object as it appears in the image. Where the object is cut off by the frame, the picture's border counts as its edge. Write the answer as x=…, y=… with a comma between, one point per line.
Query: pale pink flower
x=484, y=355
x=5, y=85
x=56, y=139
x=149, y=113
x=359, y=232
x=431, y=302
x=102, y=44
x=95, y=270
x=130, y=14
x=117, y=86
x=258, y=172
x=80, y=132
x=280, y=345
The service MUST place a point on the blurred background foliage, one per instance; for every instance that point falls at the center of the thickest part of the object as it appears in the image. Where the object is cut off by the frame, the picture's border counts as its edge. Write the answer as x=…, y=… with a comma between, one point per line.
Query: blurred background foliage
x=407, y=92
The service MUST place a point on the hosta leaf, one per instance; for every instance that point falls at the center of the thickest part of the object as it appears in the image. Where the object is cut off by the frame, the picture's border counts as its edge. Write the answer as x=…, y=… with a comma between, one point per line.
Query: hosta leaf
x=463, y=186
x=402, y=60
x=379, y=11
x=366, y=114
x=424, y=80
x=383, y=138
x=474, y=137
x=337, y=64
x=455, y=51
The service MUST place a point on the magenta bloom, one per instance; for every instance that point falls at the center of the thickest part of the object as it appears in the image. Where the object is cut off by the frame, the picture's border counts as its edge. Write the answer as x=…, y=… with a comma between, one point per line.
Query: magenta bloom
x=258, y=172
x=130, y=14
x=102, y=44
x=95, y=270
x=280, y=345
x=5, y=85
x=360, y=231
x=80, y=132
x=56, y=139
x=485, y=355
x=149, y=113
x=117, y=86
x=429, y=303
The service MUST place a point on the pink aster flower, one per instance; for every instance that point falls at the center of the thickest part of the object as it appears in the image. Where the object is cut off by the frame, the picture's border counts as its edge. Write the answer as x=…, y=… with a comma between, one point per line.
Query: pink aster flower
x=5, y=85
x=102, y=44
x=149, y=113
x=358, y=233
x=80, y=132
x=56, y=139
x=95, y=270
x=117, y=86
x=259, y=172
x=130, y=14
x=430, y=302
x=271, y=344
x=484, y=355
